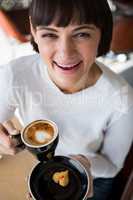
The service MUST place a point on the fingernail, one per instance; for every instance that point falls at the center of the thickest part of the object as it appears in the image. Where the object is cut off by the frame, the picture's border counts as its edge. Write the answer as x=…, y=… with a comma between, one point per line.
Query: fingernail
x=15, y=132
x=12, y=152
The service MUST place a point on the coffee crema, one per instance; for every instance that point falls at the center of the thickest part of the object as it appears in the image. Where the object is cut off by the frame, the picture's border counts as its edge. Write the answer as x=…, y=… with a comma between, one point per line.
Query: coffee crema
x=39, y=133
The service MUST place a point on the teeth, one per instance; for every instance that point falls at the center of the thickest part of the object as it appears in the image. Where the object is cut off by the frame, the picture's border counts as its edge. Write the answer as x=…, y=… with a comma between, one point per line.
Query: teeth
x=68, y=65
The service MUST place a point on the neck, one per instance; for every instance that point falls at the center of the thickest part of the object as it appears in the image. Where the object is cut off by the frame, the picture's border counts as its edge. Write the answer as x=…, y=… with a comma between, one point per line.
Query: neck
x=86, y=81
x=91, y=79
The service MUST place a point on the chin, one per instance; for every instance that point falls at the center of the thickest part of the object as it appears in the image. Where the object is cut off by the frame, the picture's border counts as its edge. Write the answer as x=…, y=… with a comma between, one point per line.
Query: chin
x=66, y=85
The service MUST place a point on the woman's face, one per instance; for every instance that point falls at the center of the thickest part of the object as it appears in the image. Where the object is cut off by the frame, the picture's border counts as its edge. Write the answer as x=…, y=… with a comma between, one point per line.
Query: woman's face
x=68, y=52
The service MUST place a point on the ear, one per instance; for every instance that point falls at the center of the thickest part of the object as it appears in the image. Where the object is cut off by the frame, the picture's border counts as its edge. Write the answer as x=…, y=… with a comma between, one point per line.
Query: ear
x=33, y=31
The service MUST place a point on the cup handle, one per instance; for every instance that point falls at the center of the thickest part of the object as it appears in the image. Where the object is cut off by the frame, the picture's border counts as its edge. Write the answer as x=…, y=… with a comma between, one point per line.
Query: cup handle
x=18, y=138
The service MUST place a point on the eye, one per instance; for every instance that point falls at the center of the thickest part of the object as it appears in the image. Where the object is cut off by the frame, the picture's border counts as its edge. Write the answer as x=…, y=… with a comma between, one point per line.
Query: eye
x=49, y=35
x=82, y=35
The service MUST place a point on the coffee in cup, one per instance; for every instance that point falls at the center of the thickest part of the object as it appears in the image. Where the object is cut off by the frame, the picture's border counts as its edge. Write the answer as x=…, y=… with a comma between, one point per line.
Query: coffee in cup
x=39, y=133
x=41, y=138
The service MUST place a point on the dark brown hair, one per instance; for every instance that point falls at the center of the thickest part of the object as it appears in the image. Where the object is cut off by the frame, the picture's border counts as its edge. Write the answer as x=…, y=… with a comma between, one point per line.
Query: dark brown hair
x=64, y=12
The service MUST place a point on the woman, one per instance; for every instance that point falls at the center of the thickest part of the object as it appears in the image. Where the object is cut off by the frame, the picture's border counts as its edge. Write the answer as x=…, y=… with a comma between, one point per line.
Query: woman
x=64, y=83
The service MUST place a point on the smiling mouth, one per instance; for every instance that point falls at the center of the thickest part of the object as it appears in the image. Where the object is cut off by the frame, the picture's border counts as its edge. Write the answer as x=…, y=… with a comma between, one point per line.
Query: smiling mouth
x=67, y=67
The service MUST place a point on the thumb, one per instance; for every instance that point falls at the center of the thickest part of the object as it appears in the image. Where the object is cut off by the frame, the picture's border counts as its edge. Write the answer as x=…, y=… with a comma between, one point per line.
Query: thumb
x=14, y=134
x=10, y=127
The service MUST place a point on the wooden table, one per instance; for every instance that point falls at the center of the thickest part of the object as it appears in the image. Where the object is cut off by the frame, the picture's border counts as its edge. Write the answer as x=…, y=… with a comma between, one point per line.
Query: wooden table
x=14, y=171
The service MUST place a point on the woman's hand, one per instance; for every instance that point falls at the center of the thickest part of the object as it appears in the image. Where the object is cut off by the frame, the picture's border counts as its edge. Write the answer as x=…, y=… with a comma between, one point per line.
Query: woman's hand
x=86, y=164
x=8, y=142
x=29, y=197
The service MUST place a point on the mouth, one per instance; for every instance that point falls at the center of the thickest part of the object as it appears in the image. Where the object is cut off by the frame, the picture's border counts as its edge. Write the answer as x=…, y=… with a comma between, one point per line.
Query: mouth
x=68, y=67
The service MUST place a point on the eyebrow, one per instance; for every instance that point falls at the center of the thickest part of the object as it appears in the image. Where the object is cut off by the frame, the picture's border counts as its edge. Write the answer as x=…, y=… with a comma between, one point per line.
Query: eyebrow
x=46, y=28
x=84, y=27
x=75, y=29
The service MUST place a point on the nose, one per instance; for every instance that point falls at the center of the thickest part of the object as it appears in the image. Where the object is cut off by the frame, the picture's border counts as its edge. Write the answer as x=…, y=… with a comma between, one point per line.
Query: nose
x=66, y=50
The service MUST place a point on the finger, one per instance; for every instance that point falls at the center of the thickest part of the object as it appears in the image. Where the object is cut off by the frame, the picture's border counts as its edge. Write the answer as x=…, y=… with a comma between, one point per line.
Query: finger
x=7, y=151
x=4, y=137
x=19, y=149
x=83, y=160
x=10, y=151
x=16, y=140
x=14, y=133
x=3, y=129
x=11, y=128
x=9, y=141
x=29, y=197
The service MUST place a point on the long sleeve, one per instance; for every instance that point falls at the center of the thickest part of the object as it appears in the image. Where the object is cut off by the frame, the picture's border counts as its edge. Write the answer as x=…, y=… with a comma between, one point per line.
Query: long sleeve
x=7, y=103
x=116, y=145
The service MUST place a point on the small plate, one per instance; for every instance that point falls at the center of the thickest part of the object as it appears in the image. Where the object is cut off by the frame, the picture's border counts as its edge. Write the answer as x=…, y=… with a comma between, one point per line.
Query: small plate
x=42, y=187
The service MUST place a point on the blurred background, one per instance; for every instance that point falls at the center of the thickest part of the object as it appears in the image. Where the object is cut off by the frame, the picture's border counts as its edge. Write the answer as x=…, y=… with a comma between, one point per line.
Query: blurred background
x=15, y=42
x=15, y=34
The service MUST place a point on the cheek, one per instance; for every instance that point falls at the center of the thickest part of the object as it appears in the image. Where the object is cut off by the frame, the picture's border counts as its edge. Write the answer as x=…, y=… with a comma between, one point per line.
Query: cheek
x=45, y=47
x=89, y=52
x=46, y=52
x=93, y=45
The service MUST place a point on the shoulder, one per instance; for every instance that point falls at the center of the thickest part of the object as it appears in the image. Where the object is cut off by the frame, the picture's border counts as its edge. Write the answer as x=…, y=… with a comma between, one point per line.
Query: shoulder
x=24, y=63
x=113, y=80
x=118, y=93
x=21, y=64
x=20, y=69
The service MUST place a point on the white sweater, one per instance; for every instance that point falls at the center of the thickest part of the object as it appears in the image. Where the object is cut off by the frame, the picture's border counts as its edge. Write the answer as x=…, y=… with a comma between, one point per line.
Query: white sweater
x=95, y=122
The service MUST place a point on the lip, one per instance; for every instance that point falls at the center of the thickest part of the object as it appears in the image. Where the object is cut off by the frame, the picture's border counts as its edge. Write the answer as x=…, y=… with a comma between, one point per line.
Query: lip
x=67, y=68
x=67, y=65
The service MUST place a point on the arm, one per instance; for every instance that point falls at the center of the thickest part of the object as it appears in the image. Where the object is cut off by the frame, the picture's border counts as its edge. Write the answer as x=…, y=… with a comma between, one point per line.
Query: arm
x=116, y=145
x=7, y=109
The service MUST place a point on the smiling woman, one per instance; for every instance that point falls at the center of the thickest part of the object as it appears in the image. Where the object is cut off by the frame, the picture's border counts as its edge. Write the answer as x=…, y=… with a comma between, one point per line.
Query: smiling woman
x=74, y=41
x=63, y=82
